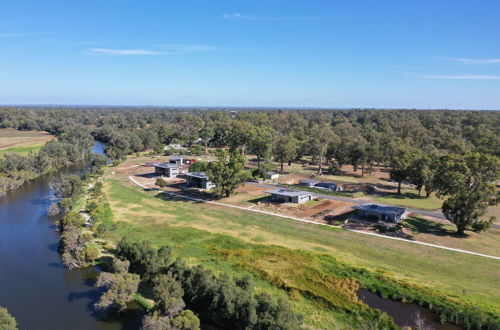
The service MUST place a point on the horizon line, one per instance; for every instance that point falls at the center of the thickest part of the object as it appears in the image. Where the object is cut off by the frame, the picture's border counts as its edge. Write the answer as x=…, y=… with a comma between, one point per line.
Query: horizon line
x=222, y=107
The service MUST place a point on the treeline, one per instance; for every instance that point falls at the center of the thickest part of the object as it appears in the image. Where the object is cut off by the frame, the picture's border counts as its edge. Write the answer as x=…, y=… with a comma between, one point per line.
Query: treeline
x=414, y=144
x=221, y=301
x=360, y=136
x=73, y=145
x=76, y=244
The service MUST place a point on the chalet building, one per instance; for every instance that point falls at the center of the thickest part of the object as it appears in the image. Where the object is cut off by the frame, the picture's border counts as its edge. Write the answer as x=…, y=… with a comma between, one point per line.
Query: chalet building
x=290, y=196
x=332, y=186
x=199, y=180
x=166, y=170
x=381, y=212
x=181, y=160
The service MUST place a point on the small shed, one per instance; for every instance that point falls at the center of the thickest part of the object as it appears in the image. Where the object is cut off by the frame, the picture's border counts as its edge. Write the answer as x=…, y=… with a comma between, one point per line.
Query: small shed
x=379, y=212
x=272, y=175
x=166, y=170
x=307, y=182
x=199, y=180
x=290, y=196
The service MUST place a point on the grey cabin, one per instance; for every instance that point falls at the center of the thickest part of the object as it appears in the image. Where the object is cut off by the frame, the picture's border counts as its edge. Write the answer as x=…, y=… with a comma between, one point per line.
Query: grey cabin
x=289, y=196
x=381, y=212
x=332, y=186
x=307, y=182
x=199, y=180
x=166, y=170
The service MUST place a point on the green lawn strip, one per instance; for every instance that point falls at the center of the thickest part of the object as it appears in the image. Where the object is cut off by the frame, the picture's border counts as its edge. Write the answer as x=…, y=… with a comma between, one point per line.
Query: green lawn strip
x=411, y=200
x=22, y=150
x=419, y=264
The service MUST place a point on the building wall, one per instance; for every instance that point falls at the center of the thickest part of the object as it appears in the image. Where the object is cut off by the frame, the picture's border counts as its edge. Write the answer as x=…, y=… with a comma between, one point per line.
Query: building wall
x=173, y=172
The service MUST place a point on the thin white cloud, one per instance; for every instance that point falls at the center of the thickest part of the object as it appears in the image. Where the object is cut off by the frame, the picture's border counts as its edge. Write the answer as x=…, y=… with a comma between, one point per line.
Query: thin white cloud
x=240, y=16
x=125, y=52
x=186, y=48
x=477, y=61
x=471, y=77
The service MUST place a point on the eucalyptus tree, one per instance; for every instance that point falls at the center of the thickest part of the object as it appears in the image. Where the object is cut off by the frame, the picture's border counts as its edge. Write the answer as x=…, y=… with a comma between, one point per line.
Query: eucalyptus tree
x=321, y=136
x=469, y=183
x=285, y=149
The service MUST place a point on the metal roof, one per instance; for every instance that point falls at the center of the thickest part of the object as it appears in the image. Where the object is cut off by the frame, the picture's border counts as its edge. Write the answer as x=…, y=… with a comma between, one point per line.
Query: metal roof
x=308, y=181
x=165, y=165
x=200, y=175
x=325, y=184
x=288, y=192
x=177, y=157
x=384, y=209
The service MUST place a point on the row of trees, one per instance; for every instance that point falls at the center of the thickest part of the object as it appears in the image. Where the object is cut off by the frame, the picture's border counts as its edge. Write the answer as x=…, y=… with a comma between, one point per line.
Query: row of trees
x=361, y=136
x=76, y=244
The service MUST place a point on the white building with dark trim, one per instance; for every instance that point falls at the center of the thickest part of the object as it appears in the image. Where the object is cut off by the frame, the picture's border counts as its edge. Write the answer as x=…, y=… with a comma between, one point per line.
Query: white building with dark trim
x=379, y=212
x=283, y=195
x=166, y=170
x=199, y=180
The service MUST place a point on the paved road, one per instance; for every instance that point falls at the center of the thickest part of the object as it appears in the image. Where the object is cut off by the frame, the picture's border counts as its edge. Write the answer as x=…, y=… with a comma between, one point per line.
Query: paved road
x=311, y=222
x=434, y=214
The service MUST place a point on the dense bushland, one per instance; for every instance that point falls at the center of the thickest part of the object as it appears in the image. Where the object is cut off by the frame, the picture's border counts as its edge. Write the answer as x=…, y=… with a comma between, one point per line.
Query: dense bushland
x=221, y=300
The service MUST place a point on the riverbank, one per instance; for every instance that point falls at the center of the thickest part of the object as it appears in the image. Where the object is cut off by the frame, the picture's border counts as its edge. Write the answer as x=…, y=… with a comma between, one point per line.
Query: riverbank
x=37, y=289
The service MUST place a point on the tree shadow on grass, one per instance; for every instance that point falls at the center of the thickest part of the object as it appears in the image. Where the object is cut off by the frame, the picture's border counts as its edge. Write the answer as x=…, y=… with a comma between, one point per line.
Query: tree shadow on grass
x=171, y=198
x=424, y=226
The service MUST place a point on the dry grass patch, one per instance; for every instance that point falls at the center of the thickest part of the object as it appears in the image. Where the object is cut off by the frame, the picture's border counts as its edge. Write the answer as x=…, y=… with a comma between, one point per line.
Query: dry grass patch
x=22, y=142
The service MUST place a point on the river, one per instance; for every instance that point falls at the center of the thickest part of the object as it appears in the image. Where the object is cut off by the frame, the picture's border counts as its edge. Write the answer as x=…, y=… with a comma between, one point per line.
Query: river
x=34, y=286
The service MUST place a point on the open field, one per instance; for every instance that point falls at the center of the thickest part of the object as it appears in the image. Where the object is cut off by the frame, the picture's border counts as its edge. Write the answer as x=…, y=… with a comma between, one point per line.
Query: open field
x=161, y=219
x=432, y=231
x=22, y=142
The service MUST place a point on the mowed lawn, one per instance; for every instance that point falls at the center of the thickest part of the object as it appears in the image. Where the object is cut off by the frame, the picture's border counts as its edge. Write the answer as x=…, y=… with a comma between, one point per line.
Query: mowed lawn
x=189, y=225
x=22, y=142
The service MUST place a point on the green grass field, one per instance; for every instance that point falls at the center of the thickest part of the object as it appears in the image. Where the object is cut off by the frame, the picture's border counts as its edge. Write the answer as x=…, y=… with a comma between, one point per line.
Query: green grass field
x=22, y=150
x=411, y=200
x=195, y=229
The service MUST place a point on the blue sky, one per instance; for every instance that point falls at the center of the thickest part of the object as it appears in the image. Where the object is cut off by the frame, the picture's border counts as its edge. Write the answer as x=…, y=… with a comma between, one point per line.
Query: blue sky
x=310, y=53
